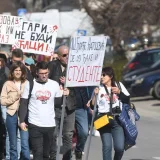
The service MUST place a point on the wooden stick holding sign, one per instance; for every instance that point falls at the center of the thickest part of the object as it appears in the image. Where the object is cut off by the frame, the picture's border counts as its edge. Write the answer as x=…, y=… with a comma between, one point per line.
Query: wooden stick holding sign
x=61, y=128
x=91, y=130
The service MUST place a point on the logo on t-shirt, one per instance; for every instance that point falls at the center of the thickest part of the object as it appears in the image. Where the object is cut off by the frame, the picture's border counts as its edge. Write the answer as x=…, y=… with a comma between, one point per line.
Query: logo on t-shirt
x=114, y=98
x=43, y=96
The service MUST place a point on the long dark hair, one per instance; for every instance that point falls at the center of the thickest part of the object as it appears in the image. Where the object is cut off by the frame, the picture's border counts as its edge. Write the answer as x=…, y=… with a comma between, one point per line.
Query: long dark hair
x=23, y=69
x=110, y=72
x=2, y=62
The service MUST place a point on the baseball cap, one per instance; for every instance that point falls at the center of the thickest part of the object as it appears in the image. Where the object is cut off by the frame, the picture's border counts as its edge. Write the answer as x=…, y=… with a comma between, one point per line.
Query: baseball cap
x=29, y=61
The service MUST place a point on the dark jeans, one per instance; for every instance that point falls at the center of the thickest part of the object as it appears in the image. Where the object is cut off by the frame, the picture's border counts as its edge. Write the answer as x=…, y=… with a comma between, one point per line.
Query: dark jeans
x=40, y=138
x=81, y=123
x=68, y=129
x=12, y=127
x=115, y=132
x=2, y=134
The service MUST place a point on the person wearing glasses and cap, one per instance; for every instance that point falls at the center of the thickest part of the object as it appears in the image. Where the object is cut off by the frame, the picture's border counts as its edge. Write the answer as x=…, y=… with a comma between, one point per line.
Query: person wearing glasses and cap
x=58, y=73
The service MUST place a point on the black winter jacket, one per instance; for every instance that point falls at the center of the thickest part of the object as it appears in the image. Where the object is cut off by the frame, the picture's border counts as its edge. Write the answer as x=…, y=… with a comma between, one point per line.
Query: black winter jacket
x=55, y=74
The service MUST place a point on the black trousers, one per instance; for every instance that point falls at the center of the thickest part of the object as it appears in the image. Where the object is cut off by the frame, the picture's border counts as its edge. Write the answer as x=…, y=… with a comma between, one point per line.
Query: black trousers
x=40, y=139
x=67, y=132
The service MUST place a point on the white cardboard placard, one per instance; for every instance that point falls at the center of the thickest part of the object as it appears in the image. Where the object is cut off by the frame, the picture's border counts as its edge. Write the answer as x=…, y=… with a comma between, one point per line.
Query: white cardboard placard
x=7, y=26
x=85, y=61
x=38, y=38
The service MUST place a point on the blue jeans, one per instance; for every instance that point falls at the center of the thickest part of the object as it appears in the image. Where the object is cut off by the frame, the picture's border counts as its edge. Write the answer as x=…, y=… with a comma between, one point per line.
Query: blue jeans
x=4, y=115
x=25, y=152
x=81, y=122
x=12, y=127
x=115, y=132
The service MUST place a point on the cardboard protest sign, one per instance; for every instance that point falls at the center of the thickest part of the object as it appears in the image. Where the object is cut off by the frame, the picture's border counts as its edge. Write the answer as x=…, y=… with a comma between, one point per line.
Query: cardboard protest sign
x=7, y=26
x=37, y=38
x=85, y=61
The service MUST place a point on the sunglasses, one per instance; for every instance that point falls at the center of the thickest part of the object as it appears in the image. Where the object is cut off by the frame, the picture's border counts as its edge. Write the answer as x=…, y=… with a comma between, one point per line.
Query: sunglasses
x=55, y=58
x=64, y=55
x=103, y=74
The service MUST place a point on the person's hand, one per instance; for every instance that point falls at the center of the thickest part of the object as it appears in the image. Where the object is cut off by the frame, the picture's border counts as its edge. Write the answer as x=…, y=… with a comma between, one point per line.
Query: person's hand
x=17, y=96
x=66, y=92
x=115, y=90
x=88, y=103
x=62, y=79
x=91, y=111
x=23, y=126
x=96, y=91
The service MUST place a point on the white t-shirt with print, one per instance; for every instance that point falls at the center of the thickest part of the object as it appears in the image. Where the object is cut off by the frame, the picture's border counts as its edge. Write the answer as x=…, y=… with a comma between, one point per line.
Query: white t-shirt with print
x=103, y=100
x=41, y=103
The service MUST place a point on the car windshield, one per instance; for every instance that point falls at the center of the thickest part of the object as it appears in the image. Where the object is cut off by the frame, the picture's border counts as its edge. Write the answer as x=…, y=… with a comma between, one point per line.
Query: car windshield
x=149, y=58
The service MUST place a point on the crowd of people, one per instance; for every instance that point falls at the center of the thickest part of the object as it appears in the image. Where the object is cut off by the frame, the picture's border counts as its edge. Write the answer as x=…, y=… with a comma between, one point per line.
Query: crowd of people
x=31, y=107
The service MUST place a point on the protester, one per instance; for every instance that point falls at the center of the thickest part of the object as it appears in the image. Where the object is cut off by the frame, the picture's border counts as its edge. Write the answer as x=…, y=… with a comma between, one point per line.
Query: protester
x=57, y=73
x=54, y=57
x=30, y=65
x=41, y=116
x=81, y=119
x=115, y=129
x=10, y=96
x=4, y=71
x=34, y=57
x=33, y=71
x=28, y=62
x=17, y=56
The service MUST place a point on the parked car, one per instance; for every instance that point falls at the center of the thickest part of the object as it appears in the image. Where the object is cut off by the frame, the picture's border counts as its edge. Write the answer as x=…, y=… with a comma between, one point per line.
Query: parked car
x=142, y=59
x=146, y=84
x=129, y=78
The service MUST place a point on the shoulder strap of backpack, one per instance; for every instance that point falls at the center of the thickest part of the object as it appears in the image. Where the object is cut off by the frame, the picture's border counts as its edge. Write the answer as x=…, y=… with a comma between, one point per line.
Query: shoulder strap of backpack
x=30, y=89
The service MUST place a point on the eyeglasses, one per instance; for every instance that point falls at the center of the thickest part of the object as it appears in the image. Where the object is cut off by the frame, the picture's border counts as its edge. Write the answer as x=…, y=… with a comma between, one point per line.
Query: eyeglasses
x=55, y=58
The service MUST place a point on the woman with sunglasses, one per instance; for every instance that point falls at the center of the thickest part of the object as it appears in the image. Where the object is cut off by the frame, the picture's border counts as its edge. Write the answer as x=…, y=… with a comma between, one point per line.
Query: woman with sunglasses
x=109, y=87
x=10, y=96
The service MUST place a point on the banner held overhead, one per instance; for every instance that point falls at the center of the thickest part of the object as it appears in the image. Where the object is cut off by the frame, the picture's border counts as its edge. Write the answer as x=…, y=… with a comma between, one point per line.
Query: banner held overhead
x=85, y=61
x=7, y=26
x=37, y=38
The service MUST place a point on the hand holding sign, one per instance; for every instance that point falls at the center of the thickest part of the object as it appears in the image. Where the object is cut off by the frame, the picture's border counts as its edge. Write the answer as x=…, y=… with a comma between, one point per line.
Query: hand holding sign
x=66, y=92
x=62, y=79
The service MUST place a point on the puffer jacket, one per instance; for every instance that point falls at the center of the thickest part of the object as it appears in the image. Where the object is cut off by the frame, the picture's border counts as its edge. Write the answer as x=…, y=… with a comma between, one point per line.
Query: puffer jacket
x=10, y=96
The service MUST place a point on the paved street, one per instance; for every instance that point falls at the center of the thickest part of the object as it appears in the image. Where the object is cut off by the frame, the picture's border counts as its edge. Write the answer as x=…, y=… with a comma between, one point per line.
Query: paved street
x=148, y=142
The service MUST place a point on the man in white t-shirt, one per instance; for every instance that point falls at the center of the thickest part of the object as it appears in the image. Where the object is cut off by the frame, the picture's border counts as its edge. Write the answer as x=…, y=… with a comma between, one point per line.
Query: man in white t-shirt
x=41, y=115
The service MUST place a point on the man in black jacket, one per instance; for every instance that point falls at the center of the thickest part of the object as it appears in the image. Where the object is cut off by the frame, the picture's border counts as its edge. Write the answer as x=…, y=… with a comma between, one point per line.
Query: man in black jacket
x=57, y=73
